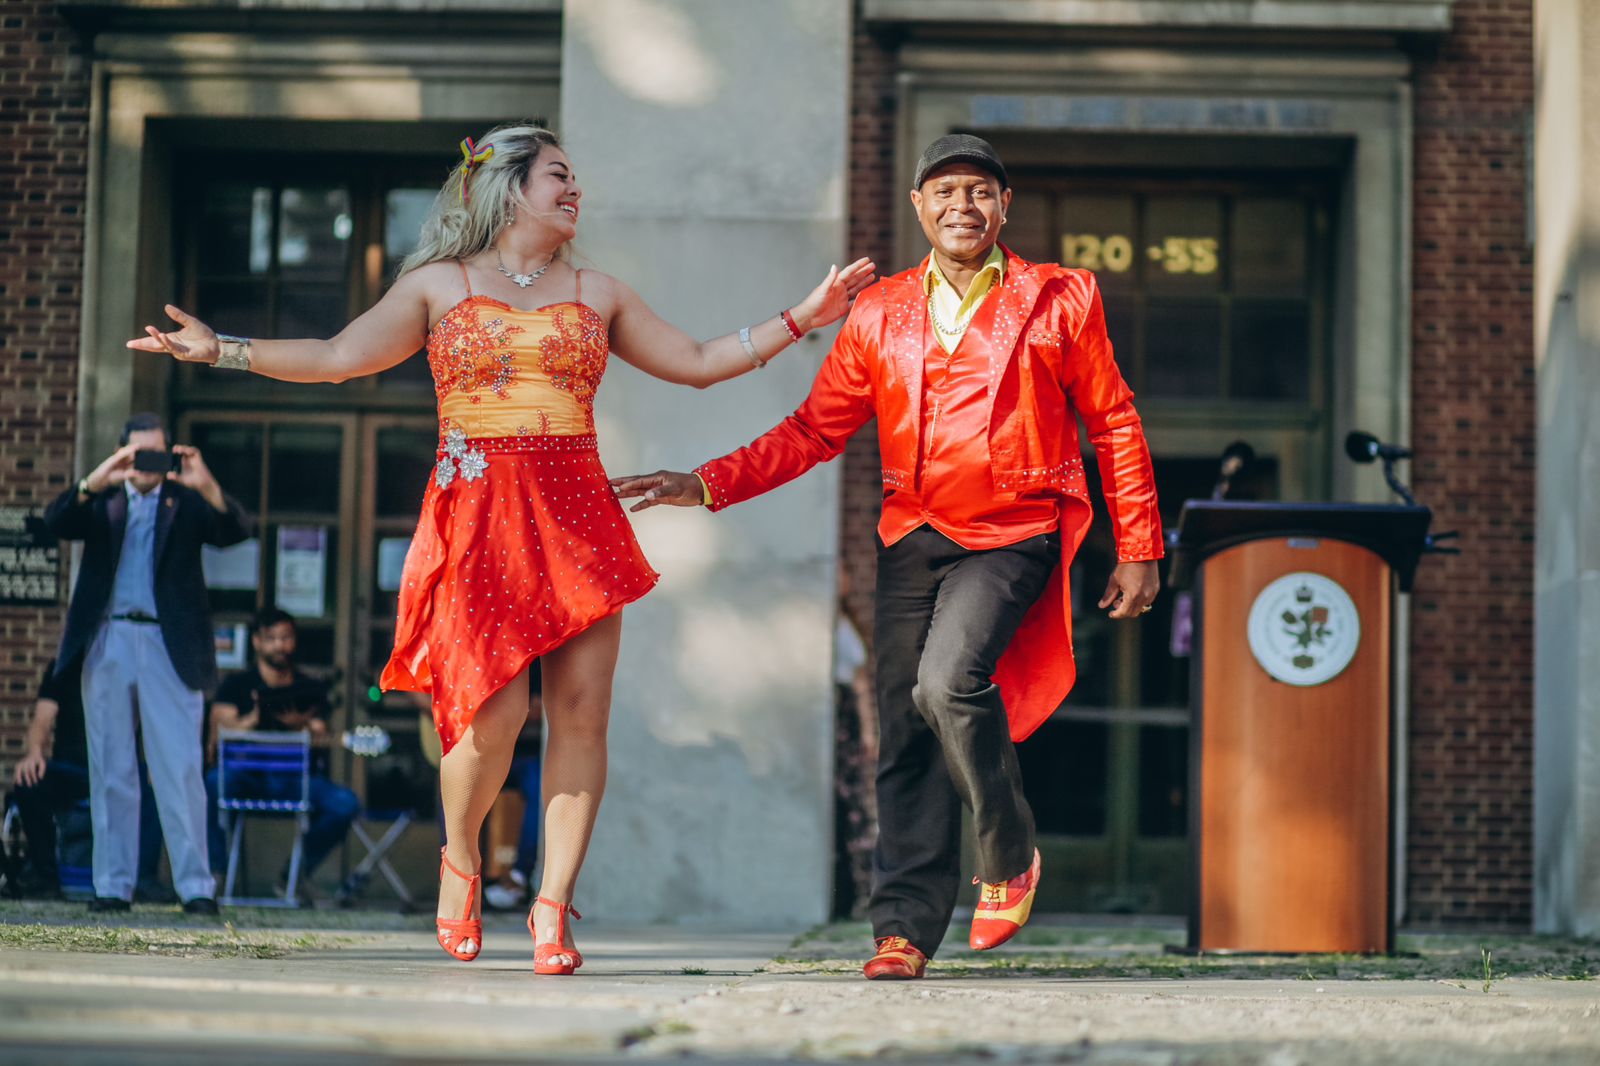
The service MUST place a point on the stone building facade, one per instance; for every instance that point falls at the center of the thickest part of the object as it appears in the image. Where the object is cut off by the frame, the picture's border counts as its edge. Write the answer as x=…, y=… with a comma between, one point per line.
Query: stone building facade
x=1390, y=141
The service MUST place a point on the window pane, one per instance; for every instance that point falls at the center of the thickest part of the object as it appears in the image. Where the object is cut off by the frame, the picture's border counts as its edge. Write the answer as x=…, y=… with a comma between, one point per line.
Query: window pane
x=1120, y=327
x=1028, y=231
x=1099, y=233
x=232, y=452
x=1064, y=773
x=1271, y=352
x=405, y=461
x=314, y=233
x=236, y=307
x=235, y=230
x=1269, y=247
x=1182, y=344
x=413, y=374
x=311, y=310
x=1163, y=781
x=403, y=212
x=303, y=471
x=1183, y=244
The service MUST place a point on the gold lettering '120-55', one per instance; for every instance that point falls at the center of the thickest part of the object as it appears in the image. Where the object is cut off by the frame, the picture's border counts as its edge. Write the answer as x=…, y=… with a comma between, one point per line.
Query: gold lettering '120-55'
x=1114, y=253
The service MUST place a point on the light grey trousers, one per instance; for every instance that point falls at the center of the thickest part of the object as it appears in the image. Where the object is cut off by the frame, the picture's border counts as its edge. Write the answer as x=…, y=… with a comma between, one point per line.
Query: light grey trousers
x=128, y=680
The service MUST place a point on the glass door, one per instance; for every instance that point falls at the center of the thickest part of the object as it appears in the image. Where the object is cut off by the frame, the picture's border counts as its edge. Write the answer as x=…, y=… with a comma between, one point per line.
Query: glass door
x=1216, y=294
x=397, y=458
x=294, y=473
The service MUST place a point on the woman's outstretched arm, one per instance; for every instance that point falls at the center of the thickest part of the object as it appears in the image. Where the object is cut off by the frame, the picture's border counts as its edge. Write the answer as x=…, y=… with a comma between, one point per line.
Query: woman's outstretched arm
x=649, y=342
x=386, y=334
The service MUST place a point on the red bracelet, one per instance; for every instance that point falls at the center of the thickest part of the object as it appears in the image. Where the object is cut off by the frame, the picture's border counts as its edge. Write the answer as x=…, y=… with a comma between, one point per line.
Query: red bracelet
x=789, y=324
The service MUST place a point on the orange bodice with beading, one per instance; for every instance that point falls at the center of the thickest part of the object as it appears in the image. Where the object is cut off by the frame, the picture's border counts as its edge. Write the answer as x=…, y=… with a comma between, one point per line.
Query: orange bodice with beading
x=500, y=371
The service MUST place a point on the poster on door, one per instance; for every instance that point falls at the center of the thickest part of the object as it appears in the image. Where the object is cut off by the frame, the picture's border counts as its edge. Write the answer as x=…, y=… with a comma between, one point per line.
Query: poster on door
x=302, y=570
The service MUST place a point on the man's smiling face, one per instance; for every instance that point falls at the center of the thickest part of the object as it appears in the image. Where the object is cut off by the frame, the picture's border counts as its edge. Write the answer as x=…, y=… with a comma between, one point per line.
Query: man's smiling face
x=960, y=207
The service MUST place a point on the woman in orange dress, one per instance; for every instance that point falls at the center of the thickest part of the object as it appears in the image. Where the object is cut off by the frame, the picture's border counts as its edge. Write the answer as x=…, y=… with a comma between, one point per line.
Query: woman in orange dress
x=522, y=551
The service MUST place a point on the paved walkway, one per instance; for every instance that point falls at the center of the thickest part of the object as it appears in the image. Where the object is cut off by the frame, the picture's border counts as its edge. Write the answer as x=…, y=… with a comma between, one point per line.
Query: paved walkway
x=352, y=997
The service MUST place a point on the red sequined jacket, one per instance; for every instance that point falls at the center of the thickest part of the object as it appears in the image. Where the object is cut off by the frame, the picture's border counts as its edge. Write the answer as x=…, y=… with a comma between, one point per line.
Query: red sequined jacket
x=1044, y=333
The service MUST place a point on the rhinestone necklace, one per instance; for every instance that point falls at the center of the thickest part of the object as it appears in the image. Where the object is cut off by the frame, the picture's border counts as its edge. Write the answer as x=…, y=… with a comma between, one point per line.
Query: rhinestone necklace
x=522, y=281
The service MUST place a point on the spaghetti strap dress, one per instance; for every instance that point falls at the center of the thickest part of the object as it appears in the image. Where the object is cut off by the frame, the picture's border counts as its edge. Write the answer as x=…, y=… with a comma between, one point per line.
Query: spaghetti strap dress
x=521, y=543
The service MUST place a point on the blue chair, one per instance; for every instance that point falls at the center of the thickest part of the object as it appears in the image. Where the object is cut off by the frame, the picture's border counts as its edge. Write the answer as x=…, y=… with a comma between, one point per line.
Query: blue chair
x=75, y=852
x=270, y=765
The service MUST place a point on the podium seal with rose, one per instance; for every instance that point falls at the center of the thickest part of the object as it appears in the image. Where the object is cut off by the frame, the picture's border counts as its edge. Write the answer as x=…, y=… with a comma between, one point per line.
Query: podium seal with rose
x=1304, y=629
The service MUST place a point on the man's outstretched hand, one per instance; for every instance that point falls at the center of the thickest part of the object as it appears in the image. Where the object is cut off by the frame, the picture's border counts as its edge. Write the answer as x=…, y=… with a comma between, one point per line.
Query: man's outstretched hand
x=1132, y=589
x=664, y=486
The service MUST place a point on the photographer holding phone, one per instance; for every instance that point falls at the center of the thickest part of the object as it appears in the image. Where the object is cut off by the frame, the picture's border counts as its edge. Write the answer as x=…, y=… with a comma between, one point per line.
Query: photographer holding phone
x=273, y=696
x=141, y=619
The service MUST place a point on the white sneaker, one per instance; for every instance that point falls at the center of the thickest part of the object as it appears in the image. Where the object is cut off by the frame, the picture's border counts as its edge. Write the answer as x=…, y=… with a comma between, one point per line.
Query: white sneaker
x=510, y=894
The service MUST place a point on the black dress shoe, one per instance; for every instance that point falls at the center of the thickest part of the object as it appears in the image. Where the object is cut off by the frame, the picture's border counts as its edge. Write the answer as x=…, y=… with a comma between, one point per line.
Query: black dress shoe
x=201, y=905
x=108, y=905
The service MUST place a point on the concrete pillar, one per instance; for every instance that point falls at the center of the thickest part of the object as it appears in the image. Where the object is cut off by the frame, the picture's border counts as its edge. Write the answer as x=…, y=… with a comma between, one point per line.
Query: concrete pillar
x=709, y=137
x=1567, y=323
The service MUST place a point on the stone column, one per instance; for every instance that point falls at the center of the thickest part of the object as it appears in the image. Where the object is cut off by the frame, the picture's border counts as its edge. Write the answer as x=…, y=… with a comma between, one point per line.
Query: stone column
x=1567, y=323
x=709, y=137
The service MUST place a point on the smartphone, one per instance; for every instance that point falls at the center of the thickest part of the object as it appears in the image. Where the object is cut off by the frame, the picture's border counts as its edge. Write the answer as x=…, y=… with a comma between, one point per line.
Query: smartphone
x=151, y=461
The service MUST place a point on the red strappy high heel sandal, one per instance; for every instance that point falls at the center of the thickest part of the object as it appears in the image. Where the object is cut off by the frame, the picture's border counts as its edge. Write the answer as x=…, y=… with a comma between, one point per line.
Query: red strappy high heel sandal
x=454, y=932
x=543, y=953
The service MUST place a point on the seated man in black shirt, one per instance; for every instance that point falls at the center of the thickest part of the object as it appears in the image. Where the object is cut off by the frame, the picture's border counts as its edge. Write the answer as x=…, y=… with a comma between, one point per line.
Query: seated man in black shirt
x=52, y=778
x=275, y=697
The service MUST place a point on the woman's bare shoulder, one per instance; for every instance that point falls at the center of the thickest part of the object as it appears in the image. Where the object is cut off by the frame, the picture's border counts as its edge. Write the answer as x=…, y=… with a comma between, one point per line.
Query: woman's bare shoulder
x=603, y=292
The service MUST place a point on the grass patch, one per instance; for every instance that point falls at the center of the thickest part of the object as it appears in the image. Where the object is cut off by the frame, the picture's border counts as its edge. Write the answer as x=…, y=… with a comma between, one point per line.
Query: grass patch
x=1134, y=952
x=224, y=943
x=59, y=912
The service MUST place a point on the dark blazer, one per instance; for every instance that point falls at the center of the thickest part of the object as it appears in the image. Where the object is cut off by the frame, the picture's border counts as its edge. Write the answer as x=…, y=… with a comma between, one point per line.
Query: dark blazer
x=184, y=522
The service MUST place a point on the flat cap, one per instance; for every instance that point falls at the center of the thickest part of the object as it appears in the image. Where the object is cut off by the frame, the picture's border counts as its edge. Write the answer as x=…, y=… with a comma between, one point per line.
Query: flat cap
x=960, y=148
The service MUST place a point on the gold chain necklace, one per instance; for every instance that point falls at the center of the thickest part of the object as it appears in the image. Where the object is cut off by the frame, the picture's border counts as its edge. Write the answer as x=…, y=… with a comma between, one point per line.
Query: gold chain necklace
x=950, y=331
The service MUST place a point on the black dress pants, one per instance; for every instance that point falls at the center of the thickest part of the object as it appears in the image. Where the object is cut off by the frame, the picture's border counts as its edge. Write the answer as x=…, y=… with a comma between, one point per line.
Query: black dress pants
x=944, y=616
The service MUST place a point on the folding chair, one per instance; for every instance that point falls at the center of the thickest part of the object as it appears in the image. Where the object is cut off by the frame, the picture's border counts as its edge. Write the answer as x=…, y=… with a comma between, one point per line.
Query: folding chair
x=262, y=758
x=377, y=859
x=371, y=741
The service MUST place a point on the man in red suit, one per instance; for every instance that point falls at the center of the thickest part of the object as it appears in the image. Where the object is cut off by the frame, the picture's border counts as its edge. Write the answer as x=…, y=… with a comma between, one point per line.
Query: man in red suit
x=974, y=364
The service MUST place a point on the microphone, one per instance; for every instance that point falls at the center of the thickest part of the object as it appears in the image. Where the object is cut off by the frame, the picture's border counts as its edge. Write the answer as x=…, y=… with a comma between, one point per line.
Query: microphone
x=1364, y=448
x=1235, y=457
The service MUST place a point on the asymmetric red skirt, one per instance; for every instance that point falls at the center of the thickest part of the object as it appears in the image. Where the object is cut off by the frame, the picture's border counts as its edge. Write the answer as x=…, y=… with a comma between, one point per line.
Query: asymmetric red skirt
x=505, y=567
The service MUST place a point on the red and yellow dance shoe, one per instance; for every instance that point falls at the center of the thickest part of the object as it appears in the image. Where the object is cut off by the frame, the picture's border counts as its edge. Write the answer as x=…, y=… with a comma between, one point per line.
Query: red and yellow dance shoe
x=896, y=960
x=1003, y=908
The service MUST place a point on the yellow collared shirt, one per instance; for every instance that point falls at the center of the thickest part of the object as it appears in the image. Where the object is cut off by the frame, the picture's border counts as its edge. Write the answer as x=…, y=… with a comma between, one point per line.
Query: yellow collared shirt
x=951, y=309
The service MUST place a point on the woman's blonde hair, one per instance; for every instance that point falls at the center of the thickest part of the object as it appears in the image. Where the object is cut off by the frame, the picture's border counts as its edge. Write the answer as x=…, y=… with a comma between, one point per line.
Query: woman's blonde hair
x=463, y=222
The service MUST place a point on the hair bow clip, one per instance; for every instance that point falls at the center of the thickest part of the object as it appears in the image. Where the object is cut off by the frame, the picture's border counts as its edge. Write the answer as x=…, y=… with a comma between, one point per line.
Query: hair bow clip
x=471, y=156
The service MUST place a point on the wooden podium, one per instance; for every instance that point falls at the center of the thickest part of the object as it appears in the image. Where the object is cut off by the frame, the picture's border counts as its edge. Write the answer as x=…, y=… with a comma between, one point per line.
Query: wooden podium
x=1291, y=765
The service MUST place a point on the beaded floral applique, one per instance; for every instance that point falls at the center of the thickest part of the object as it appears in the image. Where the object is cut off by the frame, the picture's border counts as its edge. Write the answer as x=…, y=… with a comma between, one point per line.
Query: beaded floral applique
x=470, y=463
x=468, y=354
x=575, y=356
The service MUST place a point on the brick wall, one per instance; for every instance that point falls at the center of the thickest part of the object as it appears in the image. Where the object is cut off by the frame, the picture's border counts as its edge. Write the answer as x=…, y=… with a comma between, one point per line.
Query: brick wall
x=44, y=140
x=1470, y=818
x=872, y=196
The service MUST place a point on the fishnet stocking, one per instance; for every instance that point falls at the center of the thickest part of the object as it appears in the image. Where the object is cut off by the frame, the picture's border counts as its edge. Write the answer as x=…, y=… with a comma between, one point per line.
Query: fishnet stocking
x=577, y=708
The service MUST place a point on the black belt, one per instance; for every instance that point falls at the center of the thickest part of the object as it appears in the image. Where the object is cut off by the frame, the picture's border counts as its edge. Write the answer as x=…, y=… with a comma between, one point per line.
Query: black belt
x=136, y=616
